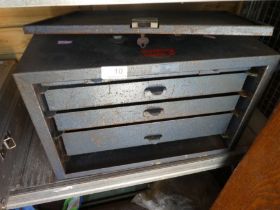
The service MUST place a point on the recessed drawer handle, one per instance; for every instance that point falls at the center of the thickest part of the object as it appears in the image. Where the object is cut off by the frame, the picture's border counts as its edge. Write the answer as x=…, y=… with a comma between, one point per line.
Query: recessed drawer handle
x=153, y=111
x=153, y=137
x=155, y=90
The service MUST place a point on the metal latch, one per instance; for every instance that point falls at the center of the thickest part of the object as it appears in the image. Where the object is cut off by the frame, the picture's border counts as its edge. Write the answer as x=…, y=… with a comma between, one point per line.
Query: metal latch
x=143, y=41
x=8, y=143
x=144, y=23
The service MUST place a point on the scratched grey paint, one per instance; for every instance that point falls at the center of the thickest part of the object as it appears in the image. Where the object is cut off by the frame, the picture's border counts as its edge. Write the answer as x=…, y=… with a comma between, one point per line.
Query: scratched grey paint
x=119, y=22
x=85, y=69
x=134, y=135
x=130, y=114
x=81, y=97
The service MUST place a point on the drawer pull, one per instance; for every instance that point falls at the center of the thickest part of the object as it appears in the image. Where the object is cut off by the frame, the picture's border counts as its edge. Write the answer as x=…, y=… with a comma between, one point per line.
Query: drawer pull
x=153, y=111
x=153, y=137
x=8, y=143
x=155, y=90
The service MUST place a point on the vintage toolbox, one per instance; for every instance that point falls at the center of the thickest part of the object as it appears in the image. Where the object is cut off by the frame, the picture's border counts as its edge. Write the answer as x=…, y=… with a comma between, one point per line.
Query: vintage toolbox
x=101, y=103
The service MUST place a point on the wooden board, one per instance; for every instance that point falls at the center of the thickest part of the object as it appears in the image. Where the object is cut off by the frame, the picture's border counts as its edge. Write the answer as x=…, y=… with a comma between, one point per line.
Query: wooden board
x=13, y=40
x=18, y=17
x=5, y=68
x=255, y=183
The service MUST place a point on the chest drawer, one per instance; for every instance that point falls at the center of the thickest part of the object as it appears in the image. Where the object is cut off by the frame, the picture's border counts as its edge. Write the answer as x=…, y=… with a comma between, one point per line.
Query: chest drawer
x=111, y=94
x=145, y=112
x=144, y=134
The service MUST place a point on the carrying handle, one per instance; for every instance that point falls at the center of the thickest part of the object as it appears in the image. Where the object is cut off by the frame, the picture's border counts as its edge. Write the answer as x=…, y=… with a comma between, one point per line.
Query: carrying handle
x=148, y=22
x=155, y=91
x=9, y=143
x=153, y=137
x=154, y=111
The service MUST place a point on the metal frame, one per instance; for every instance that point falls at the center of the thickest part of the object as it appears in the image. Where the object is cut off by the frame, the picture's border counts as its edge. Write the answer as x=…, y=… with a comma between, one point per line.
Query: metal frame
x=255, y=98
x=26, y=81
x=84, y=186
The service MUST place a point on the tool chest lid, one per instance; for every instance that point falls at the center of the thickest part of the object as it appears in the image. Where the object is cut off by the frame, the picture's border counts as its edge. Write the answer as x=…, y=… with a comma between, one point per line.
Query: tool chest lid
x=150, y=22
x=86, y=51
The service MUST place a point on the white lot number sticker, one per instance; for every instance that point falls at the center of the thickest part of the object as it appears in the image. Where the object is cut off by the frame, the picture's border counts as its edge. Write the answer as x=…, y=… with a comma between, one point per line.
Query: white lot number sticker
x=114, y=72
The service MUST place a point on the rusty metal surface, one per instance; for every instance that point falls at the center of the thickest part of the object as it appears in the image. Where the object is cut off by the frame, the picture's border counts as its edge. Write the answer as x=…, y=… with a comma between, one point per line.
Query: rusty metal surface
x=121, y=22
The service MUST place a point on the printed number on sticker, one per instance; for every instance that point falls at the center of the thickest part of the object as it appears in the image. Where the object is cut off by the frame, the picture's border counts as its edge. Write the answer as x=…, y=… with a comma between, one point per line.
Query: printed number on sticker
x=114, y=72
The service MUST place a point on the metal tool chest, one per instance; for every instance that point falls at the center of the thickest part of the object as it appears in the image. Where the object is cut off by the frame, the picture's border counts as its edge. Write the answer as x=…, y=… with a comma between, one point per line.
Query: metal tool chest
x=101, y=104
x=27, y=177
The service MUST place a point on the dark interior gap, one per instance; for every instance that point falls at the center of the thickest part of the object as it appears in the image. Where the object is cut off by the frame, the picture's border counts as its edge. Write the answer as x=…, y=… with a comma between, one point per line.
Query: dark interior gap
x=126, y=156
x=250, y=85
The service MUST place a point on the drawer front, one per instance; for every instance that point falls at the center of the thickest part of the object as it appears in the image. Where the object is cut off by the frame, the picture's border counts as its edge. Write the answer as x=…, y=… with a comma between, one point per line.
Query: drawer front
x=110, y=94
x=146, y=112
x=150, y=133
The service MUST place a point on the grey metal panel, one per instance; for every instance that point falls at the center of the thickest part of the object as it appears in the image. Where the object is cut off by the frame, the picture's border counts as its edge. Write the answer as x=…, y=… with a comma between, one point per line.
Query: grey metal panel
x=144, y=134
x=83, y=58
x=110, y=94
x=119, y=22
x=40, y=3
x=170, y=69
x=146, y=112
